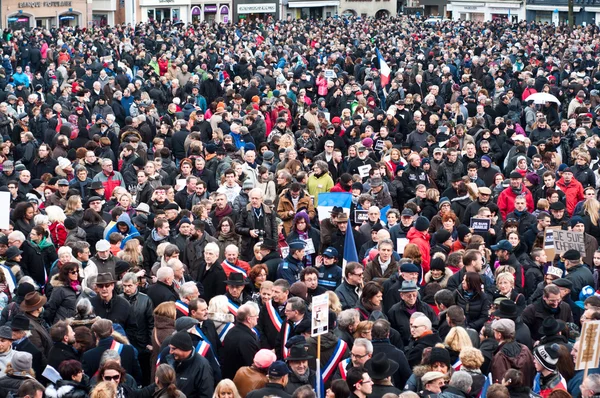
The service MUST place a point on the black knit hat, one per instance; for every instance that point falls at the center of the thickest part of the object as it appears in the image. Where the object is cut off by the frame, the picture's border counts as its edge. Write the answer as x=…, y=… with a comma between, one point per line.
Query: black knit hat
x=439, y=355
x=547, y=355
x=422, y=224
x=182, y=341
x=437, y=264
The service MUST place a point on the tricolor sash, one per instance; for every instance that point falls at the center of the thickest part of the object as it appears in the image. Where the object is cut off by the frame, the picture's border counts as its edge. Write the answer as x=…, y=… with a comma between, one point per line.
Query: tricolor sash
x=343, y=367
x=229, y=268
x=232, y=307
x=203, y=336
x=335, y=358
x=118, y=347
x=158, y=360
x=286, y=335
x=182, y=307
x=202, y=348
x=274, y=316
x=457, y=365
x=224, y=331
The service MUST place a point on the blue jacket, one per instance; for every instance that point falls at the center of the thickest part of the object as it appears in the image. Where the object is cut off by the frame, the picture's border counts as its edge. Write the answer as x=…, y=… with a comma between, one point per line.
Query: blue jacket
x=330, y=278
x=21, y=78
x=132, y=231
x=290, y=269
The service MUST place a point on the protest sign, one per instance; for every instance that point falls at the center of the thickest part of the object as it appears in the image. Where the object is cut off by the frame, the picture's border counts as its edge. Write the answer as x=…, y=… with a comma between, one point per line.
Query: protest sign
x=567, y=240
x=361, y=216
x=480, y=224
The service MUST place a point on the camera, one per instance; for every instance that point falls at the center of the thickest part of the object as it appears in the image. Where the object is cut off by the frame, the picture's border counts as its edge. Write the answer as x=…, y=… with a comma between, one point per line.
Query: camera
x=261, y=234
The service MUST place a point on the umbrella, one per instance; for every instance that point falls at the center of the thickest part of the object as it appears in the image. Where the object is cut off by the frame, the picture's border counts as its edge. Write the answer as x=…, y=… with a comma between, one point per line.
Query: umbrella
x=180, y=22
x=542, y=98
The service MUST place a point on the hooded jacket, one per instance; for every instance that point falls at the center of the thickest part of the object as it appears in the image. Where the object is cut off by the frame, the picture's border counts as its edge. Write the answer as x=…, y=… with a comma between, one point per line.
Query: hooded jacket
x=512, y=355
x=132, y=231
x=421, y=239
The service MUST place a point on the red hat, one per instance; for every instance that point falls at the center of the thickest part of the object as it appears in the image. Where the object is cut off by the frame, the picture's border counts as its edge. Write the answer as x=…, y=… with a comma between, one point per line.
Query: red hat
x=358, y=93
x=336, y=120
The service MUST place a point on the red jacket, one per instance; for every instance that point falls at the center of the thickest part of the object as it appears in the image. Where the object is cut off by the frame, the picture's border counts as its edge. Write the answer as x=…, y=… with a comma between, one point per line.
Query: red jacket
x=573, y=193
x=421, y=239
x=506, y=201
x=338, y=188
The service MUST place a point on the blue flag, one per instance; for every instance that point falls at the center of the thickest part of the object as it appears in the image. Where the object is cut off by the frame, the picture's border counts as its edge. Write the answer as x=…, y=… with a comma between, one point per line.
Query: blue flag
x=350, y=253
x=328, y=200
x=383, y=215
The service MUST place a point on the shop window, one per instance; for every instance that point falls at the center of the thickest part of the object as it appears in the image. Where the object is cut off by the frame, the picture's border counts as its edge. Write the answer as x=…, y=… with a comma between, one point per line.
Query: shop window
x=151, y=15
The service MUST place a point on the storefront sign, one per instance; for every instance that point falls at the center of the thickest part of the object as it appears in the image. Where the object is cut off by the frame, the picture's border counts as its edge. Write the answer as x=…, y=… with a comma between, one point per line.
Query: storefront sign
x=256, y=8
x=210, y=8
x=166, y=1
x=224, y=10
x=38, y=4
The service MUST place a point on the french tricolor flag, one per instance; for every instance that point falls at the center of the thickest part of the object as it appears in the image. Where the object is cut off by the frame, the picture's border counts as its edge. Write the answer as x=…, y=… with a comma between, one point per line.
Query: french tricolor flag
x=385, y=70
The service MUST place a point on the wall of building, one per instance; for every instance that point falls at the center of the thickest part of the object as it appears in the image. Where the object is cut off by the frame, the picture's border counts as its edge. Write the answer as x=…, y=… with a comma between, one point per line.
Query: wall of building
x=46, y=13
x=368, y=8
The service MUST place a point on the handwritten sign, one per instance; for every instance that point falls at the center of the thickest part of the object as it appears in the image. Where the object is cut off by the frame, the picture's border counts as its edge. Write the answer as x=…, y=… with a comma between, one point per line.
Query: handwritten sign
x=361, y=216
x=363, y=170
x=480, y=224
x=589, y=346
x=567, y=240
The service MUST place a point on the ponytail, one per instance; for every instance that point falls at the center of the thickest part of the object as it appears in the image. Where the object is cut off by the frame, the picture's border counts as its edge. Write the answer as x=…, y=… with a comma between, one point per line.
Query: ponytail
x=172, y=391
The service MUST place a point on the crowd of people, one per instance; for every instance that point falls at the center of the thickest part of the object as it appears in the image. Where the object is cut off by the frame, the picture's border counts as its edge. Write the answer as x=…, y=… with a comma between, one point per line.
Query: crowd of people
x=166, y=239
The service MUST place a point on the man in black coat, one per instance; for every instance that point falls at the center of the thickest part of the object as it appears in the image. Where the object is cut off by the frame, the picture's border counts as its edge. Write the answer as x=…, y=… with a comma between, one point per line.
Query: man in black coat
x=241, y=343
x=163, y=290
x=199, y=311
x=117, y=309
x=277, y=379
x=90, y=361
x=422, y=337
x=400, y=313
x=270, y=257
x=19, y=326
x=193, y=373
x=272, y=317
x=380, y=334
x=63, y=337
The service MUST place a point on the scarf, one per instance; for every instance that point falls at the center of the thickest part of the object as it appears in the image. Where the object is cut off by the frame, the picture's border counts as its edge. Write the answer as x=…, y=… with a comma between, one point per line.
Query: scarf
x=303, y=378
x=75, y=285
x=224, y=212
x=550, y=309
x=252, y=165
x=517, y=191
x=518, y=213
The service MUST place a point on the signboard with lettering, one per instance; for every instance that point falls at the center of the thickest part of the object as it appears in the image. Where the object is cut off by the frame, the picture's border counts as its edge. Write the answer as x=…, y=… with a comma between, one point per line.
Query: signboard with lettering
x=480, y=224
x=38, y=4
x=567, y=240
x=256, y=8
x=361, y=216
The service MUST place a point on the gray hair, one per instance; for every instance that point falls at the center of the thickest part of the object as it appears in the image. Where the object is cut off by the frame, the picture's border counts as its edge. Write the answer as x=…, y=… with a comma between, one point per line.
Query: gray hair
x=461, y=380
x=364, y=343
x=213, y=247
x=17, y=235
x=164, y=273
x=593, y=382
x=40, y=219
x=385, y=242
x=110, y=355
x=84, y=306
x=187, y=288
x=130, y=277
x=297, y=304
x=28, y=279
x=91, y=281
x=347, y=318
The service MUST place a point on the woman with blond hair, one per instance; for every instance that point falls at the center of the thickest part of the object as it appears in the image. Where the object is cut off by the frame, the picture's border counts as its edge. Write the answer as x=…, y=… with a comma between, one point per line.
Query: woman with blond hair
x=591, y=214
x=226, y=389
x=334, y=302
x=456, y=339
x=104, y=389
x=363, y=330
x=218, y=312
x=132, y=253
x=472, y=360
x=56, y=218
x=164, y=326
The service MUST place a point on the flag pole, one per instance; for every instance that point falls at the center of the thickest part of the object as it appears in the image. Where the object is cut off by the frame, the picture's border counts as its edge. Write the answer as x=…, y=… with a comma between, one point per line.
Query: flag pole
x=319, y=377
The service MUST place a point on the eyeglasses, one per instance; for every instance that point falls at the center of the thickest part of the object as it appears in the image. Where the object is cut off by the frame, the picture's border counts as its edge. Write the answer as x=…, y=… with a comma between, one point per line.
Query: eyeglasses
x=353, y=355
x=110, y=378
x=415, y=327
x=74, y=272
x=103, y=286
x=359, y=275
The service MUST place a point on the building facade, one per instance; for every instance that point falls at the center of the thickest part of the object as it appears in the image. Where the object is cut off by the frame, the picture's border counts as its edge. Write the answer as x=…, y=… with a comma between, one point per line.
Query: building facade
x=18, y=14
x=368, y=8
x=252, y=9
x=487, y=10
x=310, y=9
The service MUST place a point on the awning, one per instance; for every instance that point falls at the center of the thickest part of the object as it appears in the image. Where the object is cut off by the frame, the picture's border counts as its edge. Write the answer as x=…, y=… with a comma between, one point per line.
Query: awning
x=303, y=4
x=551, y=8
x=592, y=9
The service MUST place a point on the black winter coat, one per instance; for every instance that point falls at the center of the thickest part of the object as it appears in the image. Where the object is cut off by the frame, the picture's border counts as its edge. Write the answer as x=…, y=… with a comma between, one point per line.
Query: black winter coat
x=399, y=318
x=213, y=280
x=11, y=383
x=61, y=352
x=194, y=376
x=62, y=302
x=270, y=390
x=476, y=308
x=239, y=347
x=90, y=361
x=161, y=293
x=404, y=371
x=143, y=310
x=67, y=388
x=118, y=311
x=247, y=221
x=32, y=262
x=414, y=351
